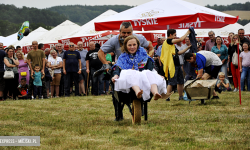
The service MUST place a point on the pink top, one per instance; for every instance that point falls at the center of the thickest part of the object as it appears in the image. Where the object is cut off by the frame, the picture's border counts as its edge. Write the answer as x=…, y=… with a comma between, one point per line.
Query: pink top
x=23, y=66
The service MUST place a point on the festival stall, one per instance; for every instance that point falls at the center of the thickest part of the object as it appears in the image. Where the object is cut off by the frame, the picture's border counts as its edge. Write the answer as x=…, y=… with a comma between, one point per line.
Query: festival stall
x=7, y=41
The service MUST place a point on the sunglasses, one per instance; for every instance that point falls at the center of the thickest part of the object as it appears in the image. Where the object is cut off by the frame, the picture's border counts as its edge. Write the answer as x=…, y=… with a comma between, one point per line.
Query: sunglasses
x=71, y=45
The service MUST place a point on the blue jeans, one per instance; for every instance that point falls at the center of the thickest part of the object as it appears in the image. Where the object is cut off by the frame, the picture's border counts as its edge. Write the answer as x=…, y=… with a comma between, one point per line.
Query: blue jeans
x=245, y=74
x=97, y=83
x=224, y=70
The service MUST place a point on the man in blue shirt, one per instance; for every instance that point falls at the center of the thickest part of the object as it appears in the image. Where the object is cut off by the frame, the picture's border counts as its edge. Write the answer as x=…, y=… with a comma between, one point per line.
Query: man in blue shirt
x=71, y=69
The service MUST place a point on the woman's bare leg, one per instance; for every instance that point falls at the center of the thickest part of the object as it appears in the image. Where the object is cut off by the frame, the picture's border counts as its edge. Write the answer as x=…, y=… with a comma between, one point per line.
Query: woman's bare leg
x=154, y=90
x=57, y=90
x=52, y=90
x=138, y=91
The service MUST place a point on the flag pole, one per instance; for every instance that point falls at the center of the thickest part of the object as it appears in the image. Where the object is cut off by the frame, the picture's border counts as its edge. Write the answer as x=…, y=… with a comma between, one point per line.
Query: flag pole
x=239, y=71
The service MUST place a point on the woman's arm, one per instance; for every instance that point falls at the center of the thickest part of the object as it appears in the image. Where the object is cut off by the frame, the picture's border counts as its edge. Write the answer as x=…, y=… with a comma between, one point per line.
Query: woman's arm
x=6, y=62
x=16, y=62
x=240, y=65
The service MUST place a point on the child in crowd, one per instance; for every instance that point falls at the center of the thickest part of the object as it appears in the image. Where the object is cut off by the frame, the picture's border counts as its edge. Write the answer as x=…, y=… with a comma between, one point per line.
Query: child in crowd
x=37, y=76
x=23, y=89
x=106, y=77
x=245, y=66
x=223, y=83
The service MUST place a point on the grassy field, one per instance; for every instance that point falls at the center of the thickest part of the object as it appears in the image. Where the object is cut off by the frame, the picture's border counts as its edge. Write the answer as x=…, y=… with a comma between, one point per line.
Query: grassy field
x=87, y=123
x=241, y=14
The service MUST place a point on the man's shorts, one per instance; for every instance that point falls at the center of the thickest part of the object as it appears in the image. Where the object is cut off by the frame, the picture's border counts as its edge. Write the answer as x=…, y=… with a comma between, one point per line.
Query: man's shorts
x=83, y=75
x=213, y=71
x=2, y=82
x=178, y=77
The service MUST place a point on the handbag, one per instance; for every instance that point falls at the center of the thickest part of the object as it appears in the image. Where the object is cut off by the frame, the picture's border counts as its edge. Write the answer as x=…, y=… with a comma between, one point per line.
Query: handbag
x=235, y=57
x=23, y=74
x=8, y=74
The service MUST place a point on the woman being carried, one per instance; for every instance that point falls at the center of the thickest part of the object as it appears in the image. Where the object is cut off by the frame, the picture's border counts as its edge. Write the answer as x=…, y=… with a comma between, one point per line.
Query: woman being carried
x=134, y=70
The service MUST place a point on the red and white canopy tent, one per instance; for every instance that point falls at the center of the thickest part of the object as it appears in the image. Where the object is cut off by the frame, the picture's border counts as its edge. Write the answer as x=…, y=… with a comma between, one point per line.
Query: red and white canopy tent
x=166, y=14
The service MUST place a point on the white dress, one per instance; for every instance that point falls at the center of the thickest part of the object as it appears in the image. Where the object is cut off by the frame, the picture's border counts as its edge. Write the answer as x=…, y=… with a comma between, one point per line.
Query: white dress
x=143, y=79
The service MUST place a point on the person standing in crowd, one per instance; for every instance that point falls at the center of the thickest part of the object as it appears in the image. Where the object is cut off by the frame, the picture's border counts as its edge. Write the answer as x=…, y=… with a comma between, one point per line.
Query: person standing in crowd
x=11, y=63
x=159, y=43
x=71, y=69
x=55, y=63
x=180, y=47
x=222, y=52
x=23, y=68
x=114, y=45
x=60, y=53
x=158, y=54
x=243, y=39
x=37, y=82
x=47, y=52
x=41, y=46
x=171, y=63
x=206, y=61
x=210, y=43
x=2, y=81
x=18, y=48
x=234, y=67
x=245, y=66
x=36, y=56
x=83, y=75
x=93, y=64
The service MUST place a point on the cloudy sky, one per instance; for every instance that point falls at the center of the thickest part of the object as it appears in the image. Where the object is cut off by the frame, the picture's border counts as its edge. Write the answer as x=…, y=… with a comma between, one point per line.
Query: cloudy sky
x=49, y=3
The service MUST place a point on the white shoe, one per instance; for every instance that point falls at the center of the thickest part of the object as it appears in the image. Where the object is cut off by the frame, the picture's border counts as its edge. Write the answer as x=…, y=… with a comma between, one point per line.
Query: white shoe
x=32, y=97
x=235, y=90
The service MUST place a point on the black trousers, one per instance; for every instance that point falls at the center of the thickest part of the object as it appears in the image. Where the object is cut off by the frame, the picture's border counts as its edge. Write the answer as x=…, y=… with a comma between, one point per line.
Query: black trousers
x=61, y=87
x=31, y=88
x=11, y=86
x=69, y=77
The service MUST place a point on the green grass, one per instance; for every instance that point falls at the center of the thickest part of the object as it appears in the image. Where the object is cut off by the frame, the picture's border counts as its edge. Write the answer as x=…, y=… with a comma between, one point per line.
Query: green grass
x=87, y=123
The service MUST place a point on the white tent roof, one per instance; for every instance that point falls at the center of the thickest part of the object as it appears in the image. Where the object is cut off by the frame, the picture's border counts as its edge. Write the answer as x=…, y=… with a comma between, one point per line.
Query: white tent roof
x=58, y=32
x=89, y=28
x=9, y=39
x=247, y=28
x=27, y=40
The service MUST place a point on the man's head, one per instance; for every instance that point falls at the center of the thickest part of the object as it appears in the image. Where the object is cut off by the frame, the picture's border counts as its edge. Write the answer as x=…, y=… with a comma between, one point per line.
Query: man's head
x=35, y=45
x=80, y=45
x=1, y=45
x=159, y=41
x=59, y=47
x=171, y=33
x=18, y=48
x=126, y=29
x=47, y=51
x=241, y=33
x=71, y=46
x=41, y=46
x=187, y=41
x=91, y=46
x=23, y=81
x=211, y=35
x=189, y=57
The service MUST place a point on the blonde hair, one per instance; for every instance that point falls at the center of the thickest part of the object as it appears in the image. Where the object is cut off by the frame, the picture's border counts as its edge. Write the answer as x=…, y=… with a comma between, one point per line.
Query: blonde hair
x=124, y=48
x=221, y=74
x=20, y=53
x=232, y=41
x=52, y=51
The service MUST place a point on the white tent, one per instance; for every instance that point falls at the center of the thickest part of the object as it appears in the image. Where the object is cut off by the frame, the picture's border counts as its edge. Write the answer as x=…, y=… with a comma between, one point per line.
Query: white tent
x=89, y=28
x=9, y=39
x=57, y=32
x=27, y=40
x=247, y=28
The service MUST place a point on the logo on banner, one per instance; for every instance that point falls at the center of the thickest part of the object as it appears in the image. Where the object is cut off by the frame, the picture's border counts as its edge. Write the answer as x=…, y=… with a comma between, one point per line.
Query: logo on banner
x=66, y=42
x=219, y=18
x=143, y=22
x=150, y=13
x=51, y=45
x=156, y=36
x=196, y=24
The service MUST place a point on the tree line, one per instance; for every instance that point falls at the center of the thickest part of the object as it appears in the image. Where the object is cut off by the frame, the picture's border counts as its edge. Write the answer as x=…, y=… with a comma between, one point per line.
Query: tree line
x=234, y=6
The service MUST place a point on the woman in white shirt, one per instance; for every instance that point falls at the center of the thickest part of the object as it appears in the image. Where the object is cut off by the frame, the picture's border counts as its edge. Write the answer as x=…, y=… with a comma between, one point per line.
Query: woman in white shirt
x=55, y=64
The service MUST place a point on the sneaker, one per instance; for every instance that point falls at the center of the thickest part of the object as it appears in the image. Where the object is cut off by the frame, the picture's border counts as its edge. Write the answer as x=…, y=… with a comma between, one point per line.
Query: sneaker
x=180, y=98
x=32, y=97
x=215, y=97
x=168, y=99
x=236, y=90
